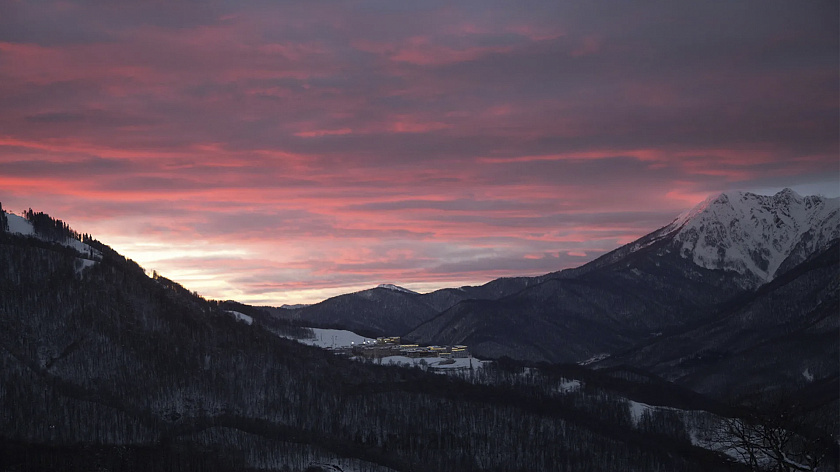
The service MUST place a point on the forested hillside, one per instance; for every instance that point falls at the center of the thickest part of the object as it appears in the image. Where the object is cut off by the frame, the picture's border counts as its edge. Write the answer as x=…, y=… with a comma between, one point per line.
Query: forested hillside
x=107, y=368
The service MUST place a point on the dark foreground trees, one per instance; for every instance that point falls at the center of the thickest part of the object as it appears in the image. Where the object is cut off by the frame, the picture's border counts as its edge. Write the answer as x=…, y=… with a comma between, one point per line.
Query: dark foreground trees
x=779, y=436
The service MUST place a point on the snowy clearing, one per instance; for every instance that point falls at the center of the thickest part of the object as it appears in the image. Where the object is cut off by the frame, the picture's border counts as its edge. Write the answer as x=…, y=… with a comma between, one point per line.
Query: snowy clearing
x=19, y=225
x=242, y=317
x=22, y=226
x=638, y=409
x=334, y=338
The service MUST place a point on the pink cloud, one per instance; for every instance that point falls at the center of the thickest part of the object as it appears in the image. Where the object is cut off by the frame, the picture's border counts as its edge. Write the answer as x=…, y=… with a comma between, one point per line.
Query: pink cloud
x=323, y=132
x=420, y=52
x=303, y=149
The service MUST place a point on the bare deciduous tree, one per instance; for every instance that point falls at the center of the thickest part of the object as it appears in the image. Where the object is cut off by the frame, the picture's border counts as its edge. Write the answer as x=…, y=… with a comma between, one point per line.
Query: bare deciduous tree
x=774, y=439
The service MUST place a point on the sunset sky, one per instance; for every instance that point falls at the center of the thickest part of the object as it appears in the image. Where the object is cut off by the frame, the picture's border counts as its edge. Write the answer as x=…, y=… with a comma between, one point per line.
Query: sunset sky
x=286, y=151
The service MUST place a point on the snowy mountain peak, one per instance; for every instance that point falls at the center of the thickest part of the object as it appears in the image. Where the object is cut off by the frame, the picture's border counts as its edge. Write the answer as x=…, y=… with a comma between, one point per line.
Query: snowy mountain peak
x=396, y=288
x=787, y=196
x=756, y=235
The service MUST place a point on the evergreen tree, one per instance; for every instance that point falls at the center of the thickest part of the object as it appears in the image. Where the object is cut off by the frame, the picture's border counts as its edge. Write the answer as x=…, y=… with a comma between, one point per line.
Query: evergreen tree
x=4, y=220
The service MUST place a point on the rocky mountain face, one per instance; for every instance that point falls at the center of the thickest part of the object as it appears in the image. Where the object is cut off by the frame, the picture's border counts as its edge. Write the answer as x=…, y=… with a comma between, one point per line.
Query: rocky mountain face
x=754, y=236
x=704, y=265
x=757, y=236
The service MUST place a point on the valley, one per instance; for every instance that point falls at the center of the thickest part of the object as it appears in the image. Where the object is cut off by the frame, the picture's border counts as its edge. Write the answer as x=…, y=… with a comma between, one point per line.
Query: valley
x=647, y=358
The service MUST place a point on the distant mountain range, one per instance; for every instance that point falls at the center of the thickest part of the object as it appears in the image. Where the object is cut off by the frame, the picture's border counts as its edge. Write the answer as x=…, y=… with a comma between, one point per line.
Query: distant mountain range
x=389, y=309
x=105, y=368
x=709, y=268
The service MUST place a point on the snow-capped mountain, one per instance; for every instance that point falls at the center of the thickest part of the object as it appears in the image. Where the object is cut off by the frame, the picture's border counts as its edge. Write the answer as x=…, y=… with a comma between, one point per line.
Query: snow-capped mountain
x=678, y=275
x=756, y=235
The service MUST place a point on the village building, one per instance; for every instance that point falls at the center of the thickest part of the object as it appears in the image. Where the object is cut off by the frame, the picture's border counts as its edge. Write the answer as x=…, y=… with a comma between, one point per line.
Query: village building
x=390, y=346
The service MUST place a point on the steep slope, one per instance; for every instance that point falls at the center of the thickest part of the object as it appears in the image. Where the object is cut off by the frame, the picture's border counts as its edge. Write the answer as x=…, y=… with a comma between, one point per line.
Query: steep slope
x=755, y=236
x=677, y=276
x=573, y=319
x=782, y=336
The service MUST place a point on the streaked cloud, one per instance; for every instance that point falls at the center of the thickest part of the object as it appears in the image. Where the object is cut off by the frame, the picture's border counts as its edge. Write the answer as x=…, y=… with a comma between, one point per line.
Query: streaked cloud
x=281, y=152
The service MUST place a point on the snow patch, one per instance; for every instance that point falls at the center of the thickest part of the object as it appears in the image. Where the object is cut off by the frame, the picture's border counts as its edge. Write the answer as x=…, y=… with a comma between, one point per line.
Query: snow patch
x=82, y=264
x=242, y=317
x=638, y=409
x=568, y=386
x=20, y=225
x=595, y=358
x=808, y=375
x=396, y=288
x=295, y=307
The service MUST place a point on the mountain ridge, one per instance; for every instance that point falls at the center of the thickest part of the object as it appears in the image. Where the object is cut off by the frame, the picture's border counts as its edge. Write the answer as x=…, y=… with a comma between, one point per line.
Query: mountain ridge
x=117, y=370
x=140, y=366
x=655, y=279
x=693, y=227
x=755, y=234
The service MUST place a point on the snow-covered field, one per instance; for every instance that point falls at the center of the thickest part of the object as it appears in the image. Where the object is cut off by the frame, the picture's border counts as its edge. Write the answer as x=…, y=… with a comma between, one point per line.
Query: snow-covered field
x=334, y=338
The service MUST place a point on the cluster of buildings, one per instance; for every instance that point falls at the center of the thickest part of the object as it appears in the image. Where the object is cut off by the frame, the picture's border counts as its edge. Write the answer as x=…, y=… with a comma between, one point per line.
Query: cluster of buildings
x=391, y=346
